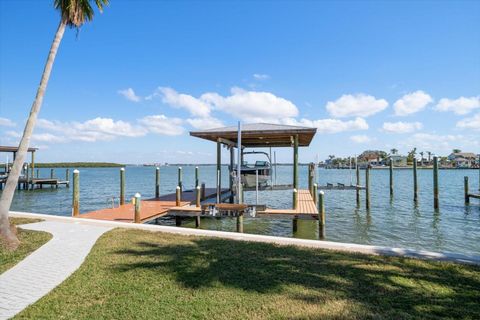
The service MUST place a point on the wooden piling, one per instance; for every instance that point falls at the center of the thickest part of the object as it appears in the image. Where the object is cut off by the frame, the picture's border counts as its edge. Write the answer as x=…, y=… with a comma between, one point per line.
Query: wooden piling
x=315, y=193
x=202, y=192
x=76, y=193
x=138, y=200
x=219, y=169
x=240, y=222
x=435, y=183
x=197, y=222
x=295, y=162
x=311, y=175
x=294, y=224
x=180, y=178
x=32, y=164
x=196, y=177
x=178, y=221
x=391, y=177
x=38, y=173
x=295, y=199
x=357, y=189
x=157, y=182
x=415, y=181
x=197, y=197
x=178, y=196
x=321, y=215
x=367, y=187
x=465, y=186
x=67, y=177
x=52, y=175
x=122, y=186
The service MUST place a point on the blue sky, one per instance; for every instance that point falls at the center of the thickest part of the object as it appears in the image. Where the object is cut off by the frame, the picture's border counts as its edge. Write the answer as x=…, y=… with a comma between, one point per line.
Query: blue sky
x=132, y=84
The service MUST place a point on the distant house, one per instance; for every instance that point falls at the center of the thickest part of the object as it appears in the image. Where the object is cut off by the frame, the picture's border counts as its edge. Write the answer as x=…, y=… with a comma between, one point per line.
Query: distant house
x=463, y=159
x=372, y=157
x=398, y=160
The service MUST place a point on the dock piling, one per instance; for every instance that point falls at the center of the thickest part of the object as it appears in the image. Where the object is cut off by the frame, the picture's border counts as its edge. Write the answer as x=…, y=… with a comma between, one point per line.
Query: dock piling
x=67, y=177
x=178, y=196
x=435, y=182
x=122, y=186
x=465, y=185
x=180, y=178
x=415, y=181
x=196, y=177
x=197, y=196
x=391, y=177
x=157, y=182
x=357, y=171
x=311, y=178
x=315, y=193
x=76, y=193
x=295, y=199
x=321, y=215
x=202, y=191
x=138, y=200
x=240, y=222
x=52, y=175
x=367, y=187
x=197, y=222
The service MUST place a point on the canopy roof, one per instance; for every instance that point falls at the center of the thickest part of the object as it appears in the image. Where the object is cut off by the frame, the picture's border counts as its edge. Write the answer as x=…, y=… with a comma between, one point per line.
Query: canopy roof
x=14, y=149
x=259, y=135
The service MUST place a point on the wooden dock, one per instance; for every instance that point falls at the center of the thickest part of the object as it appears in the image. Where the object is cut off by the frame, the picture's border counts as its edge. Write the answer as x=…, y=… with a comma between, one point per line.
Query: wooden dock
x=150, y=208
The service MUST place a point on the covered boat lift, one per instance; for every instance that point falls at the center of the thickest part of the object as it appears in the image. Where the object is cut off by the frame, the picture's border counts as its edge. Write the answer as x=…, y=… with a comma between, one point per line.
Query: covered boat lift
x=256, y=135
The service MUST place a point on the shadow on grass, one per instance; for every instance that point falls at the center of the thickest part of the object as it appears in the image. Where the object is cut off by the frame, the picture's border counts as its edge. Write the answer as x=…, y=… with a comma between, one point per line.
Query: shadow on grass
x=383, y=285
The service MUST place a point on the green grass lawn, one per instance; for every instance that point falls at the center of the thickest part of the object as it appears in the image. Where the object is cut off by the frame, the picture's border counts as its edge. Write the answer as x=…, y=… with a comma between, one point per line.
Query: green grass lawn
x=132, y=274
x=29, y=242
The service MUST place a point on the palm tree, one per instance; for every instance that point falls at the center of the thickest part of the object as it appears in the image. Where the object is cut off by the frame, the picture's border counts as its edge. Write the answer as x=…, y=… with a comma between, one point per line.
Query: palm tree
x=393, y=151
x=429, y=156
x=73, y=13
x=456, y=150
x=421, y=159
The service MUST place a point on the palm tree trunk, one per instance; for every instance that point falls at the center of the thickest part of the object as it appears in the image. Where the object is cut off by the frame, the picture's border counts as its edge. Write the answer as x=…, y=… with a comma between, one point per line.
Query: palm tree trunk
x=7, y=196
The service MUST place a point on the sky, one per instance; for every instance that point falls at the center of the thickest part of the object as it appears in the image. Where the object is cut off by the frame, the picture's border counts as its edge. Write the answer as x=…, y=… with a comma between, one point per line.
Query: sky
x=130, y=85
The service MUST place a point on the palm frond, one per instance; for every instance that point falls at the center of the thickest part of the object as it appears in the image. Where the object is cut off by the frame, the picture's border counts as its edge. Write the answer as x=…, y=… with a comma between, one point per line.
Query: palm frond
x=76, y=12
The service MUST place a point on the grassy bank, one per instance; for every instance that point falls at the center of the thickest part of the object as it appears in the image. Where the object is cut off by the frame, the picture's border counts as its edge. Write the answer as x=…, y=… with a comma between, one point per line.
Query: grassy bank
x=78, y=165
x=132, y=274
x=30, y=241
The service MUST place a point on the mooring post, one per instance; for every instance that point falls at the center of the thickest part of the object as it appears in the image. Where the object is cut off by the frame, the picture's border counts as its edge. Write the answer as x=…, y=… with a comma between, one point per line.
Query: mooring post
x=435, y=182
x=76, y=193
x=295, y=199
x=197, y=197
x=357, y=189
x=367, y=187
x=321, y=215
x=122, y=186
x=26, y=185
x=240, y=193
x=138, y=200
x=391, y=177
x=311, y=169
x=38, y=173
x=465, y=186
x=157, y=182
x=315, y=193
x=295, y=161
x=180, y=178
x=294, y=224
x=219, y=170
x=415, y=181
x=52, y=174
x=178, y=221
x=240, y=222
x=196, y=177
x=67, y=177
x=202, y=191
x=178, y=196
x=32, y=163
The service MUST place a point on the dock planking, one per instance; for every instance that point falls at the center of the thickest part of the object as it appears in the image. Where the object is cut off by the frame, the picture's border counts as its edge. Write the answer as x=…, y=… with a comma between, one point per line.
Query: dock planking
x=150, y=208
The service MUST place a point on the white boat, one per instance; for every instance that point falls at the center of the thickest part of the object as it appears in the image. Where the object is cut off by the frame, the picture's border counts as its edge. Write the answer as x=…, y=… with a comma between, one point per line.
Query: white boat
x=249, y=171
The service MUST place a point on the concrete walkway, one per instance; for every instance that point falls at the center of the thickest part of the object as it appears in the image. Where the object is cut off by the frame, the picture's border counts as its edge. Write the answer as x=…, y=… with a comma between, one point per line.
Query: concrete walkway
x=48, y=266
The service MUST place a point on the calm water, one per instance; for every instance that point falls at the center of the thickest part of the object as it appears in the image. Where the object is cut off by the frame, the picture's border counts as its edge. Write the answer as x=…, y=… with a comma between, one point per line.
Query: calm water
x=390, y=221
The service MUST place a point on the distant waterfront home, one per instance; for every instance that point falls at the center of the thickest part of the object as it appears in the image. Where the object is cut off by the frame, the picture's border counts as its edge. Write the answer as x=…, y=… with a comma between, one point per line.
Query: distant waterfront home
x=372, y=157
x=463, y=159
x=398, y=160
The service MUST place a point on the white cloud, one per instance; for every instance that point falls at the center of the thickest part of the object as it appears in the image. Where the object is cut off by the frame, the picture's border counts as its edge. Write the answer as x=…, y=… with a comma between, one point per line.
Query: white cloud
x=412, y=103
x=358, y=105
x=252, y=106
x=460, y=106
x=361, y=138
x=4, y=122
x=163, y=125
x=47, y=137
x=194, y=106
x=110, y=127
x=330, y=125
x=470, y=123
x=402, y=127
x=205, y=123
x=260, y=76
x=129, y=94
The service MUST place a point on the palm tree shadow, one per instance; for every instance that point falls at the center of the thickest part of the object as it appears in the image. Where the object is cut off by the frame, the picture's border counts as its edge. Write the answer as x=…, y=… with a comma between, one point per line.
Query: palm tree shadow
x=381, y=284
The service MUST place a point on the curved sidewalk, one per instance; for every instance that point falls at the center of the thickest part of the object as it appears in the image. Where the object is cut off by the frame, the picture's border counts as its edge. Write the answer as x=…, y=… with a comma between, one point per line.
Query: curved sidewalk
x=48, y=266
